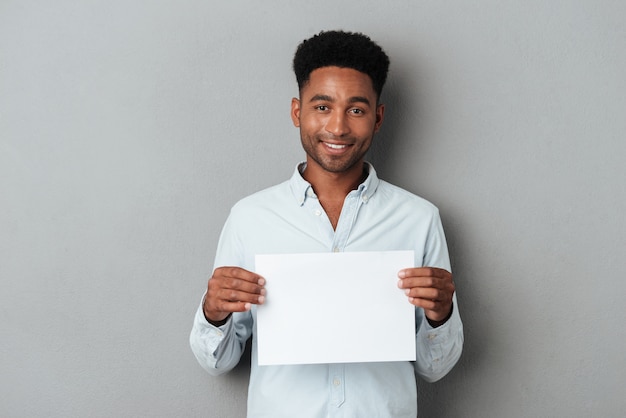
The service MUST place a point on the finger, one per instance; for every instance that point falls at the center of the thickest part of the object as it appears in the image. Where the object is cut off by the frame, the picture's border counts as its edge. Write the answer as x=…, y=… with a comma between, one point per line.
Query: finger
x=428, y=293
x=236, y=285
x=426, y=304
x=425, y=272
x=235, y=306
x=231, y=301
x=238, y=273
x=229, y=295
x=425, y=282
x=437, y=291
x=425, y=277
x=434, y=310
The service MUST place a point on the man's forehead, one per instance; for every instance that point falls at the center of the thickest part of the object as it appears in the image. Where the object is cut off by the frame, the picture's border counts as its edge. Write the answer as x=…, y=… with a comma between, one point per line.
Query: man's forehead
x=324, y=80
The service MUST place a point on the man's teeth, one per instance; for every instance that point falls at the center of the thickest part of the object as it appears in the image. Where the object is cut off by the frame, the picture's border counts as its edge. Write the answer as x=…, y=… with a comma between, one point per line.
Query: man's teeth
x=335, y=146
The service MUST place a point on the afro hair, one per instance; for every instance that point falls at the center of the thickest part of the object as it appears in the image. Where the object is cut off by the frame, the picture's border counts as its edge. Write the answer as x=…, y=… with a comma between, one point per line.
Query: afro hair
x=341, y=49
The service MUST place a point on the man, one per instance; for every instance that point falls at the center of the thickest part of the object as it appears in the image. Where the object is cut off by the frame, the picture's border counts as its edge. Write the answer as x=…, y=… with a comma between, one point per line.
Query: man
x=333, y=202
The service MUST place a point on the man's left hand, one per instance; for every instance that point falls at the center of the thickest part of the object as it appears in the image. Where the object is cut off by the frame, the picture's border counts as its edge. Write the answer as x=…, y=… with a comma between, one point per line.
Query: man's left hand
x=429, y=288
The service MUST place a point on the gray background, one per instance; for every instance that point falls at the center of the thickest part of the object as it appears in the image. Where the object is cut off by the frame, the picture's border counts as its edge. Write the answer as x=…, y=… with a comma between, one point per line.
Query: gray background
x=128, y=129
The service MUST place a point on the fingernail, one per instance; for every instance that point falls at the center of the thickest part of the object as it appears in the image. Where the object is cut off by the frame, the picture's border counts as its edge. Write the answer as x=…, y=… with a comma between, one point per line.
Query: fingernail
x=400, y=284
x=261, y=281
x=261, y=300
x=401, y=273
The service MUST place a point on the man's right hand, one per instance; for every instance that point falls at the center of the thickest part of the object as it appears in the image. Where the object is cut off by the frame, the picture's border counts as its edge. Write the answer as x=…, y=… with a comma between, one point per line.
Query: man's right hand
x=232, y=289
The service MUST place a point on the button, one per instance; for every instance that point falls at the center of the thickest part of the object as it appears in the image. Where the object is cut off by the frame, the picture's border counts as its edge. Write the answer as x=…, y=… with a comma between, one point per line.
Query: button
x=432, y=336
x=318, y=212
x=336, y=250
x=336, y=382
x=365, y=198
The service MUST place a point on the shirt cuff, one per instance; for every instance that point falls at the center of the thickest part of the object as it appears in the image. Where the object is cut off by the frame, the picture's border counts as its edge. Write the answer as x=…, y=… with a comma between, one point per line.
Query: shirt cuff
x=205, y=339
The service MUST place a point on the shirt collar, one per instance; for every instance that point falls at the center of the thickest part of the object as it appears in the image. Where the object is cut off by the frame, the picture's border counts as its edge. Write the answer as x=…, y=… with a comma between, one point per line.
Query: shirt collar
x=301, y=189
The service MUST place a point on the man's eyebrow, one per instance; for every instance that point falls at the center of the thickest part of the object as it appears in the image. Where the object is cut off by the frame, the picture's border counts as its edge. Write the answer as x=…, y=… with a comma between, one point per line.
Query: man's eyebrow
x=321, y=98
x=360, y=99
x=325, y=98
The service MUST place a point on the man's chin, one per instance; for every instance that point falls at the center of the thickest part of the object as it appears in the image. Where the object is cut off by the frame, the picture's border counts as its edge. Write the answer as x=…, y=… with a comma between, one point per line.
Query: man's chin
x=338, y=167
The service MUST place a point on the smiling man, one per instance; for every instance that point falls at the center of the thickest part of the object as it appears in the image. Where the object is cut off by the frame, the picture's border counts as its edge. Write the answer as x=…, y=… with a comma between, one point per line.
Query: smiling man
x=333, y=202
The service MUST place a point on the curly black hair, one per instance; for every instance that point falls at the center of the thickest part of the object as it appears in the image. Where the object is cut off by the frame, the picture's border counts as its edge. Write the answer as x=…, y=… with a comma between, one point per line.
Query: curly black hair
x=341, y=49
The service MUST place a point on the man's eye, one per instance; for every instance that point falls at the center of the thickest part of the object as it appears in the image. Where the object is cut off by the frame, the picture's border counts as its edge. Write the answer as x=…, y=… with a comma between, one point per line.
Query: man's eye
x=322, y=108
x=356, y=111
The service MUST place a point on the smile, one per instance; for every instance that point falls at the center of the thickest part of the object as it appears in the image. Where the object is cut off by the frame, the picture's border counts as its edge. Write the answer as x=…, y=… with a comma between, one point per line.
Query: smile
x=337, y=147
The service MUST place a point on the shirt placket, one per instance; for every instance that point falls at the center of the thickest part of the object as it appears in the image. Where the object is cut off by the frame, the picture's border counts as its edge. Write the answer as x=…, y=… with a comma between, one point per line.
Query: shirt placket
x=346, y=220
x=337, y=385
x=341, y=235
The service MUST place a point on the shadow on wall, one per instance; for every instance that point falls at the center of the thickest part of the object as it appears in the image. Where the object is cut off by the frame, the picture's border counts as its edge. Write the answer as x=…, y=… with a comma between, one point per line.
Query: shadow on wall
x=384, y=146
x=241, y=372
x=435, y=399
x=439, y=399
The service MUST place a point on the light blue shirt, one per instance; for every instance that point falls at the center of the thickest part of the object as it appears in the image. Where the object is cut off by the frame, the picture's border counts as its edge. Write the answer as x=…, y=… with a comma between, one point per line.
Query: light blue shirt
x=288, y=218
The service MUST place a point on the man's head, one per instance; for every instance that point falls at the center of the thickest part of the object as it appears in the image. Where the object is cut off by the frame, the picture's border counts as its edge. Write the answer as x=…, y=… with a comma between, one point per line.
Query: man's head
x=341, y=49
x=340, y=76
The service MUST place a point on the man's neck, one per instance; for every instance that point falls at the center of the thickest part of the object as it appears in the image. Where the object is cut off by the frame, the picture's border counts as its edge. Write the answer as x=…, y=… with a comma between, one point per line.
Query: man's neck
x=334, y=186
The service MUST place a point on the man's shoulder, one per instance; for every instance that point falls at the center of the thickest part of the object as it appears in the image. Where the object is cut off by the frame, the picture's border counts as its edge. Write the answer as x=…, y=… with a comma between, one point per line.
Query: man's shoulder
x=400, y=196
x=270, y=196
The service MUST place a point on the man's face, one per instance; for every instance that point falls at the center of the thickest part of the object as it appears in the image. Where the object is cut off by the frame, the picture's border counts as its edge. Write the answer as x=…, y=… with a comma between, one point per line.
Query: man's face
x=338, y=116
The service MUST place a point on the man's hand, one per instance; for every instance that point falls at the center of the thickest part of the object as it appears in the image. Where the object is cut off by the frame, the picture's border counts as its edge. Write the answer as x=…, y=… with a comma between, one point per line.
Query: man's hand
x=232, y=289
x=431, y=289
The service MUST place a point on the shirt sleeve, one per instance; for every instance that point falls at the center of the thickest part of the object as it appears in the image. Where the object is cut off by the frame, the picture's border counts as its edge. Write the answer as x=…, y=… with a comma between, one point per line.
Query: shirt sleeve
x=219, y=349
x=438, y=349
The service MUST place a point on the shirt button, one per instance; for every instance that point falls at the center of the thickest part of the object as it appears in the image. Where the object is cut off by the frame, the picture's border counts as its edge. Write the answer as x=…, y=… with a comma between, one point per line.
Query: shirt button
x=365, y=198
x=336, y=382
x=318, y=212
x=336, y=250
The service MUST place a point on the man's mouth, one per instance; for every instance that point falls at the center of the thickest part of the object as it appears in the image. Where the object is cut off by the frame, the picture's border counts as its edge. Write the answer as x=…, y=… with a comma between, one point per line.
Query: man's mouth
x=336, y=146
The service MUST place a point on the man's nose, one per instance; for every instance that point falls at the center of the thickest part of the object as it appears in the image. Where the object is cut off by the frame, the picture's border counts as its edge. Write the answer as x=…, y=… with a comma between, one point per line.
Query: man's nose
x=338, y=124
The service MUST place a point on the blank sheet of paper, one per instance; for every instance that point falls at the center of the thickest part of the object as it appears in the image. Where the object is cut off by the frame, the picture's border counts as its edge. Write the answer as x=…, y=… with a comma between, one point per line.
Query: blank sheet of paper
x=334, y=308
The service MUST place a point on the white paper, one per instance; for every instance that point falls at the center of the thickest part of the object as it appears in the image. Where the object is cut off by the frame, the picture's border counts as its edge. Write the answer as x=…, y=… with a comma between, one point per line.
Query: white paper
x=334, y=308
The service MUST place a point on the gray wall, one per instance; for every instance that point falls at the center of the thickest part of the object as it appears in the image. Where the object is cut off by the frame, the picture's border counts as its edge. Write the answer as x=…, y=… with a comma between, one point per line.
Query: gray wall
x=128, y=129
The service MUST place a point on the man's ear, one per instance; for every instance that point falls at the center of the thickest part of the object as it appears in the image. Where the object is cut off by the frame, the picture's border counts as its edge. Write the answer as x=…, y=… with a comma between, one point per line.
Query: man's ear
x=380, y=116
x=295, y=112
